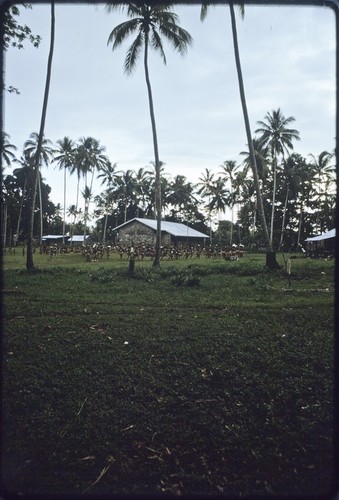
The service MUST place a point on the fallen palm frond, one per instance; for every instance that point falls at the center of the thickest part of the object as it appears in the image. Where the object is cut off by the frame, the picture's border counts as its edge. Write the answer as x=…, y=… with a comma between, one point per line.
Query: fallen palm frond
x=101, y=475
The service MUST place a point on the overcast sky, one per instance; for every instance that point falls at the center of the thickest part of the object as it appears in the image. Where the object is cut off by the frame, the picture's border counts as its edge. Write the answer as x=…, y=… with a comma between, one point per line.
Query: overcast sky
x=288, y=61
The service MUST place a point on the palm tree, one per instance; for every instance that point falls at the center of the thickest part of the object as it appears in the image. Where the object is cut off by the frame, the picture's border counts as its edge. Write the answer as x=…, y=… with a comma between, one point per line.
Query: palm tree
x=278, y=138
x=7, y=156
x=87, y=194
x=323, y=172
x=150, y=22
x=46, y=155
x=293, y=167
x=29, y=258
x=270, y=256
x=78, y=168
x=89, y=158
x=125, y=189
x=25, y=172
x=229, y=168
x=6, y=148
x=108, y=174
x=220, y=196
x=205, y=181
x=261, y=158
x=142, y=180
x=65, y=160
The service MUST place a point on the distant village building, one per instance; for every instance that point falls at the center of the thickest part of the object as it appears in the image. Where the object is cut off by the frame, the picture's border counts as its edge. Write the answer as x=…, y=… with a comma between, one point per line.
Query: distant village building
x=144, y=231
x=56, y=239
x=322, y=245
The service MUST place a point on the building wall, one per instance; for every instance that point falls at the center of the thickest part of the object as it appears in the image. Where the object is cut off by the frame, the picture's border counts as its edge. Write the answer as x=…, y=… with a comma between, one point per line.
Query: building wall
x=136, y=232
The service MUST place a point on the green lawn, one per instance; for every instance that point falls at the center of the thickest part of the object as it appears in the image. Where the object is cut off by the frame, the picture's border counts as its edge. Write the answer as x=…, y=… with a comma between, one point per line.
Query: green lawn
x=150, y=384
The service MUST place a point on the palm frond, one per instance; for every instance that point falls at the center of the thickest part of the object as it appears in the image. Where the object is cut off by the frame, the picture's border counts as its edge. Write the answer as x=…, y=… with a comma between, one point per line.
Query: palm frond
x=133, y=53
x=204, y=10
x=114, y=6
x=121, y=32
x=157, y=44
x=178, y=37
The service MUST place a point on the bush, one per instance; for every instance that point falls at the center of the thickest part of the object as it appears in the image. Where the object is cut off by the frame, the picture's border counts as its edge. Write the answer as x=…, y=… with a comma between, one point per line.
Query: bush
x=186, y=279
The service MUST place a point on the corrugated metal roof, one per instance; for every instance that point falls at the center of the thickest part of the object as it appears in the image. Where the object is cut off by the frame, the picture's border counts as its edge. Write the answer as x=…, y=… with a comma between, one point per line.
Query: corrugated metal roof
x=53, y=237
x=324, y=236
x=173, y=228
x=77, y=238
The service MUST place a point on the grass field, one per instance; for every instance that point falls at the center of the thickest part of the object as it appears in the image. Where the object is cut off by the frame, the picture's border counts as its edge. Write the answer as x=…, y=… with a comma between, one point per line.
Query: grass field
x=207, y=377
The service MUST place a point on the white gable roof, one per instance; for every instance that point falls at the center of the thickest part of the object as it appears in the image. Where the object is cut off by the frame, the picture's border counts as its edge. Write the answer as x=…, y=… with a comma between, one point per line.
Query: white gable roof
x=173, y=228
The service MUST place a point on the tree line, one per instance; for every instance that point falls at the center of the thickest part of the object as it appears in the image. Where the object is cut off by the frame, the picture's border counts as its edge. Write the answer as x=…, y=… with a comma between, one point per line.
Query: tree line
x=298, y=193
x=280, y=192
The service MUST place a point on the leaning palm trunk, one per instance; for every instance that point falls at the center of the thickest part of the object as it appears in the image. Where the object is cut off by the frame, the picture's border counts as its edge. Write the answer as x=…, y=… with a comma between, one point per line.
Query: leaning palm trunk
x=270, y=257
x=29, y=259
x=105, y=228
x=156, y=159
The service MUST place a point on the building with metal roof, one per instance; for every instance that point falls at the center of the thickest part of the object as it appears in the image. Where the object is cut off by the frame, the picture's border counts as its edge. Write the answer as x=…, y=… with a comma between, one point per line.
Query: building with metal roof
x=58, y=239
x=322, y=245
x=140, y=230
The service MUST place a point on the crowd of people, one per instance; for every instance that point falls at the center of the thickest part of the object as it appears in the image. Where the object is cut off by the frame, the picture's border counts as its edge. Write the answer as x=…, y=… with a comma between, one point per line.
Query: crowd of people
x=97, y=251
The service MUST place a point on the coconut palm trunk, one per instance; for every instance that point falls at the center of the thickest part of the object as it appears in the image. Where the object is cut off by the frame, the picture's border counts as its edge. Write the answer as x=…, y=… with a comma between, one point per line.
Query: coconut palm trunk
x=270, y=255
x=41, y=211
x=284, y=217
x=156, y=158
x=29, y=255
x=4, y=223
x=20, y=212
x=273, y=198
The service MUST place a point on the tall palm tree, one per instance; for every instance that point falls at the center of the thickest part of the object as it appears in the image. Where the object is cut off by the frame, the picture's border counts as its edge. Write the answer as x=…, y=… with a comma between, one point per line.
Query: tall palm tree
x=293, y=167
x=25, y=172
x=65, y=160
x=87, y=194
x=142, y=180
x=261, y=157
x=279, y=139
x=89, y=158
x=77, y=168
x=229, y=168
x=220, y=196
x=108, y=173
x=322, y=173
x=29, y=255
x=6, y=148
x=6, y=157
x=46, y=155
x=125, y=189
x=150, y=23
x=270, y=256
x=205, y=181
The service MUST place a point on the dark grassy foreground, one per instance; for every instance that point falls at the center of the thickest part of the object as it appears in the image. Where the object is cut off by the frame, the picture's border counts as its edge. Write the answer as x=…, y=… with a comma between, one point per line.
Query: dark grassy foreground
x=213, y=379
